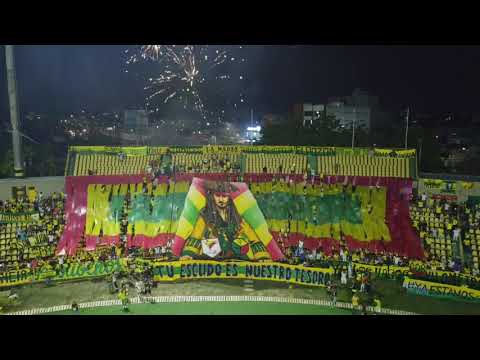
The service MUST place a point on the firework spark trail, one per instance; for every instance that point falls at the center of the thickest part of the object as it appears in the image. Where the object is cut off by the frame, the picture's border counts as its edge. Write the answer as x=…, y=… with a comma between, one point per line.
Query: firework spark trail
x=184, y=71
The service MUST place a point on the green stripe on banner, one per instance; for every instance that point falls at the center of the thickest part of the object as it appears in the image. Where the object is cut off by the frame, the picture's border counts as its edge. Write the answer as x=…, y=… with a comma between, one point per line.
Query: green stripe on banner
x=190, y=212
x=253, y=217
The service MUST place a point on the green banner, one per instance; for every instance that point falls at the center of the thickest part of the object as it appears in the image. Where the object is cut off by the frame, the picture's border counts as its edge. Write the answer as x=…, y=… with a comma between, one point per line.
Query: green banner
x=427, y=288
x=71, y=271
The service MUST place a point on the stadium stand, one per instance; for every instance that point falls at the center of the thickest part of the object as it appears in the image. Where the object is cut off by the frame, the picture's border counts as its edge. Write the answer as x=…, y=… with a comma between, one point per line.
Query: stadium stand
x=450, y=232
x=30, y=236
x=341, y=204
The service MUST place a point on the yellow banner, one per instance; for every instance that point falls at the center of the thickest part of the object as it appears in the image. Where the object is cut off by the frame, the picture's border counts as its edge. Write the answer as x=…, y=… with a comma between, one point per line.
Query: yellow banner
x=409, y=152
x=130, y=150
x=467, y=185
x=191, y=269
x=433, y=183
x=383, y=152
x=231, y=149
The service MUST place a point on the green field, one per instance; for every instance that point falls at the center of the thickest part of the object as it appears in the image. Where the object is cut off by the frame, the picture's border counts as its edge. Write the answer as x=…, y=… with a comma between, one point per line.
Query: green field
x=212, y=308
x=390, y=292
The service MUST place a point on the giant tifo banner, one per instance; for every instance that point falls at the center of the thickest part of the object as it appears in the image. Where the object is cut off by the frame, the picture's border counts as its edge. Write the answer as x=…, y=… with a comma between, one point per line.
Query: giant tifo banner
x=374, y=216
x=427, y=288
x=209, y=218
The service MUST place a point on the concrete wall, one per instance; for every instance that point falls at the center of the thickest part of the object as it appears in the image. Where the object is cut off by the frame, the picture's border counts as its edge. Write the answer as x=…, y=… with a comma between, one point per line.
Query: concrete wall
x=47, y=185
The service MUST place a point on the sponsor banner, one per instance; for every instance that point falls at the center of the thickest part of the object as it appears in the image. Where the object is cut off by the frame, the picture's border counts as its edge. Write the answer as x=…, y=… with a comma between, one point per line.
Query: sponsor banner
x=427, y=288
x=188, y=270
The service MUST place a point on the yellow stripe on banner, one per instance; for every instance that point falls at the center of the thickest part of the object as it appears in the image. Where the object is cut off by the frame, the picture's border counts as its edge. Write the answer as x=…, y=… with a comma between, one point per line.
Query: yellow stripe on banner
x=263, y=234
x=191, y=249
x=197, y=198
x=184, y=228
x=262, y=255
x=244, y=202
x=123, y=189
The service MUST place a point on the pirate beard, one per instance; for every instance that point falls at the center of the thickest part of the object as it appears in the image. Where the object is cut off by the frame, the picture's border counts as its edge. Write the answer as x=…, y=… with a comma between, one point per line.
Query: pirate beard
x=217, y=226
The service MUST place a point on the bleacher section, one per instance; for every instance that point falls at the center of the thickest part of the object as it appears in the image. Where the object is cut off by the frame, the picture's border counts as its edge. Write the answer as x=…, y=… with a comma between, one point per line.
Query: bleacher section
x=200, y=162
x=276, y=163
x=251, y=159
x=101, y=164
x=364, y=165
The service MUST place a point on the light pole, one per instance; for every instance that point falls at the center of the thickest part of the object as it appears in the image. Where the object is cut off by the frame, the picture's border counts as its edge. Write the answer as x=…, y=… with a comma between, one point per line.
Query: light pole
x=14, y=112
x=406, y=129
x=353, y=126
x=420, y=141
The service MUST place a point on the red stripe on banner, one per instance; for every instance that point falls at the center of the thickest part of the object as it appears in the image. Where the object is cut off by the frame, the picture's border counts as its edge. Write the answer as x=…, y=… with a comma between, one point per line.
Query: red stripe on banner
x=178, y=244
x=90, y=242
x=198, y=184
x=242, y=187
x=150, y=242
x=274, y=250
x=110, y=240
x=76, y=206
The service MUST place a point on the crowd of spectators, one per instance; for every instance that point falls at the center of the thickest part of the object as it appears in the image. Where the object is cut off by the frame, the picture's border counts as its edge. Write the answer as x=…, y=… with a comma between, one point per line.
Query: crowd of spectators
x=449, y=231
x=441, y=224
x=205, y=163
x=31, y=241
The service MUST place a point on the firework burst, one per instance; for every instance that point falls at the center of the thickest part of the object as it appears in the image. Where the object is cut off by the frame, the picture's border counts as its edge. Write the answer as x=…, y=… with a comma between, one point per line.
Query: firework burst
x=187, y=73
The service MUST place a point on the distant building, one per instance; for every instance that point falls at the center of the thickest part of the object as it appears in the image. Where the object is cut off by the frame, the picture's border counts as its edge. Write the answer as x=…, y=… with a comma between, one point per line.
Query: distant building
x=358, y=109
x=135, y=123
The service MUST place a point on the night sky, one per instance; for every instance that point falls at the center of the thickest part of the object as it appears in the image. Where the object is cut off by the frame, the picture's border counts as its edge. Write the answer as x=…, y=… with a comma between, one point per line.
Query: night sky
x=54, y=78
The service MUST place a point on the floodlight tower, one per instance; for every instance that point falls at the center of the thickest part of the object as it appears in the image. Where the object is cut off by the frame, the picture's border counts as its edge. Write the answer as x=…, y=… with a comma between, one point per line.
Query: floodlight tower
x=14, y=113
